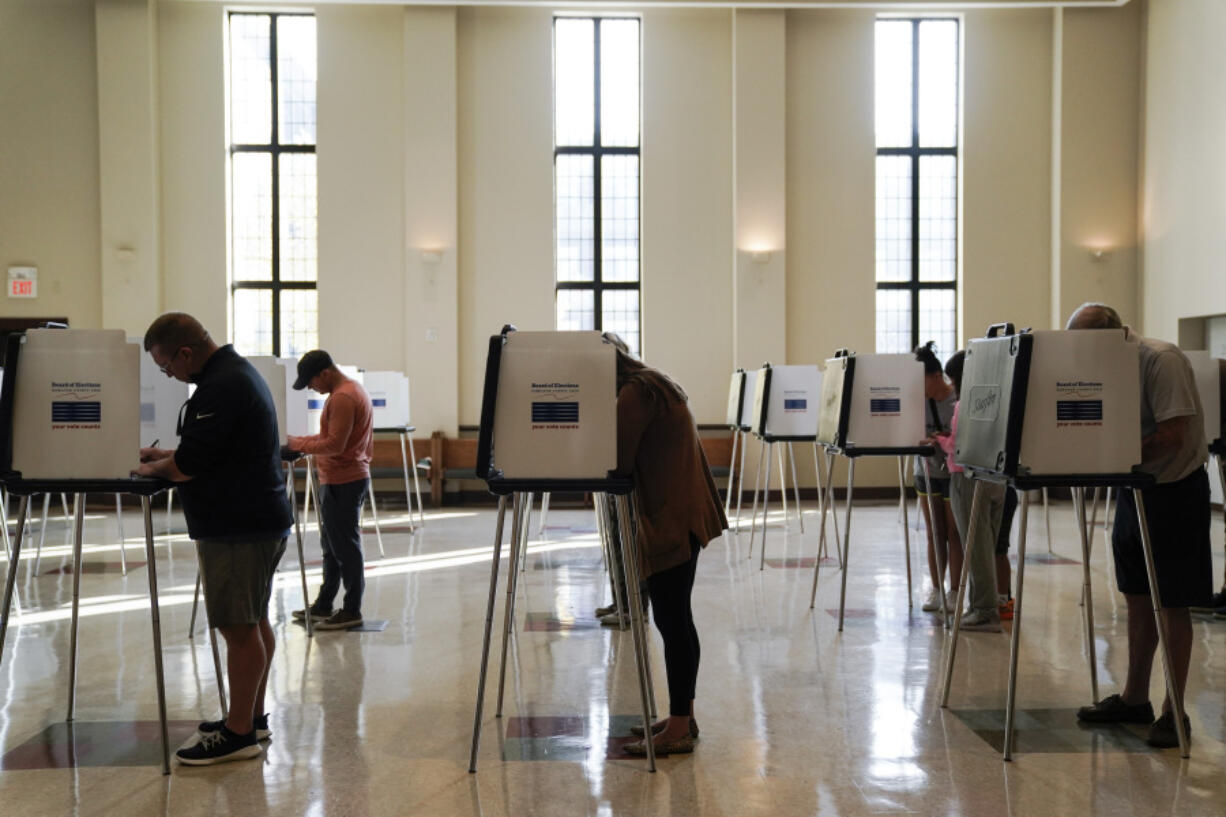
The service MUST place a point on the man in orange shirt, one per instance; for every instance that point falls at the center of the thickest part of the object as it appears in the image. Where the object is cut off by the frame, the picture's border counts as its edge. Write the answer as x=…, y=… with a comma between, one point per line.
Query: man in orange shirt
x=342, y=449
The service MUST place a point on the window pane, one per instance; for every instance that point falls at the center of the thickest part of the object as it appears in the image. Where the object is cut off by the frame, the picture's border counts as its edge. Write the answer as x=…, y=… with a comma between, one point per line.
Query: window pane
x=299, y=322
x=938, y=83
x=296, y=80
x=251, y=211
x=938, y=320
x=299, y=236
x=893, y=218
x=574, y=81
x=250, y=79
x=893, y=83
x=576, y=309
x=619, y=218
x=620, y=313
x=938, y=227
x=253, y=321
x=893, y=321
x=576, y=218
x=619, y=83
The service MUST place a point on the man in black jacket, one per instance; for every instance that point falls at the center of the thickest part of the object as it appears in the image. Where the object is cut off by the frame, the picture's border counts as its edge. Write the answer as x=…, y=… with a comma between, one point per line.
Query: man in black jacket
x=228, y=472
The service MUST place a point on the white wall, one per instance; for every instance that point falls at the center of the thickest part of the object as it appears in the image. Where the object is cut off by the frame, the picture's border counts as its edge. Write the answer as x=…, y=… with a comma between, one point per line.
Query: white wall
x=49, y=211
x=1184, y=182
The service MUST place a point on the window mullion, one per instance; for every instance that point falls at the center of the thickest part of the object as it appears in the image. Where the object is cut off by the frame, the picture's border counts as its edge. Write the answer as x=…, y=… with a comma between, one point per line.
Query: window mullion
x=274, y=161
x=597, y=188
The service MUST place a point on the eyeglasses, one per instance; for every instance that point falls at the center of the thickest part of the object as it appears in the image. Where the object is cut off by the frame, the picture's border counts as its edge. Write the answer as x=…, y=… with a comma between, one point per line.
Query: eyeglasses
x=165, y=368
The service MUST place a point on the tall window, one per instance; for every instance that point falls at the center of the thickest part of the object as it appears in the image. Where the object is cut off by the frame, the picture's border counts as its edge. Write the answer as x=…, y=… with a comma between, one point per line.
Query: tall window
x=917, y=99
x=273, y=227
x=596, y=174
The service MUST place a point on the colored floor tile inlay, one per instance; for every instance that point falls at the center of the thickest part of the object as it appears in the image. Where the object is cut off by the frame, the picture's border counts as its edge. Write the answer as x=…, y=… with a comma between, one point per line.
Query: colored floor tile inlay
x=96, y=743
x=568, y=737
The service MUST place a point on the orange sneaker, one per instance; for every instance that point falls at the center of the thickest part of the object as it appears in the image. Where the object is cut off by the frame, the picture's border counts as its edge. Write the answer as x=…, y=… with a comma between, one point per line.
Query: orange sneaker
x=1006, y=610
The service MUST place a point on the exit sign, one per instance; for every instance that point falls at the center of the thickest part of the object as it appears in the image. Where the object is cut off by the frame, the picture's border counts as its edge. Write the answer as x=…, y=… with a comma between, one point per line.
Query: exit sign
x=23, y=282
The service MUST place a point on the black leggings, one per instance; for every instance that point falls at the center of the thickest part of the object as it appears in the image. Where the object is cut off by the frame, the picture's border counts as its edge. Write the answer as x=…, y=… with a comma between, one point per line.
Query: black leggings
x=670, y=605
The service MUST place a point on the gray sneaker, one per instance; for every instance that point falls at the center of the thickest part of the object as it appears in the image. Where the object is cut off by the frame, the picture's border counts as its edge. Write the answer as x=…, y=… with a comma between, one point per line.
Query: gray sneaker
x=982, y=621
x=340, y=620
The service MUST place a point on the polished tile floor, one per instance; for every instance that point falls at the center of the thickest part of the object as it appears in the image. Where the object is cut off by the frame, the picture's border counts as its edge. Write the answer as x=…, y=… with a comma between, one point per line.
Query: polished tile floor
x=796, y=717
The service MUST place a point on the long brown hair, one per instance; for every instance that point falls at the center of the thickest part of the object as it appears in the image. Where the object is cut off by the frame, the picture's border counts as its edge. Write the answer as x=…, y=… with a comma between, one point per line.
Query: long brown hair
x=658, y=386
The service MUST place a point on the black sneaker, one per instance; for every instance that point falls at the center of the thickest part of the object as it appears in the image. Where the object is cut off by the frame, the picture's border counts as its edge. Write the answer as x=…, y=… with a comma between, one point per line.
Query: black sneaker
x=221, y=746
x=1163, y=735
x=1217, y=604
x=260, y=722
x=1112, y=709
x=340, y=620
x=317, y=613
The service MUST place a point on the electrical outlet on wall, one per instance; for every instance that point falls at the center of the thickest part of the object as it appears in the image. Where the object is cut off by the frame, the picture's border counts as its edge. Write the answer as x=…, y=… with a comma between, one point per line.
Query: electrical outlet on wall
x=431, y=335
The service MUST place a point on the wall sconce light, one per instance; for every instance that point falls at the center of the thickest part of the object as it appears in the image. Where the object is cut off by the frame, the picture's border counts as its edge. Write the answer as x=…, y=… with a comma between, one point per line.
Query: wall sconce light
x=431, y=258
x=1099, y=254
x=761, y=256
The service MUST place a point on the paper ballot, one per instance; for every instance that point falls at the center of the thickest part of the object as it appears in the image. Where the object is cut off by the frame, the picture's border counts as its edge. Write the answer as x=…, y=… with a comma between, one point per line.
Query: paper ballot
x=76, y=412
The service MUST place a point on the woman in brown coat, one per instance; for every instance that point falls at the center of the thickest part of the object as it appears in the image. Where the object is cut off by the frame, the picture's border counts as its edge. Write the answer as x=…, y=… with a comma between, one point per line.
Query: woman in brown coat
x=679, y=512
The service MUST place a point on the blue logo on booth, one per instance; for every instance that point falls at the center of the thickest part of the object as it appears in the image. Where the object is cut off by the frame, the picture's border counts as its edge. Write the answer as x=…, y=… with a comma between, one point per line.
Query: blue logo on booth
x=795, y=405
x=1072, y=410
x=885, y=406
x=315, y=405
x=379, y=402
x=555, y=412
x=76, y=412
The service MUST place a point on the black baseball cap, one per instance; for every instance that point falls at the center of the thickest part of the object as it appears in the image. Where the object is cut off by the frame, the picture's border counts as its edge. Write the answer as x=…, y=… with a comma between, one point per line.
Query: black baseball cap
x=311, y=364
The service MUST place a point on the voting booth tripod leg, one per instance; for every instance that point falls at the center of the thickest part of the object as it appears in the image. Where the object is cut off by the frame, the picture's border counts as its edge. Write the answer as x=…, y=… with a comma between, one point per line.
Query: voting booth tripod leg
x=489, y=627
x=834, y=516
x=374, y=514
x=4, y=524
x=851, y=481
x=740, y=483
x=962, y=582
x=42, y=536
x=941, y=553
x=540, y=530
x=638, y=630
x=757, y=485
x=408, y=493
x=421, y=509
x=155, y=616
x=1015, y=638
x=1047, y=518
x=23, y=509
x=617, y=575
x=306, y=593
x=78, y=504
x=1087, y=595
x=766, y=498
x=824, y=506
x=736, y=438
x=123, y=540
x=783, y=484
x=800, y=517
x=906, y=528
x=525, y=524
x=508, y=616
x=1093, y=516
x=1164, y=647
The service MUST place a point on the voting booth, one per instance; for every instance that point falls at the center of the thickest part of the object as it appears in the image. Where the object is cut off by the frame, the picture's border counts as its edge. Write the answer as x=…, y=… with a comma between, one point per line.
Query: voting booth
x=70, y=423
x=1055, y=409
x=1209, y=371
x=389, y=398
x=785, y=401
x=549, y=423
x=736, y=399
x=871, y=406
x=161, y=399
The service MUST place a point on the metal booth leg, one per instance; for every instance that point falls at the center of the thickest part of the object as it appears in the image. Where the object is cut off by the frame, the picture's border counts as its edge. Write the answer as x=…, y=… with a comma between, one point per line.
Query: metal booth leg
x=766, y=498
x=374, y=514
x=966, y=572
x=1015, y=639
x=796, y=487
x=1164, y=646
x=221, y=678
x=825, y=506
x=783, y=485
x=1047, y=519
x=1087, y=597
x=408, y=493
x=154, y=612
x=736, y=438
x=757, y=484
x=42, y=536
x=906, y=528
x=632, y=505
x=306, y=593
x=740, y=483
x=540, y=530
x=191, y=627
x=123, y=540
x=525, y=535
x=630, y=563
x=78, y=505
x=489, y=626
x=851, y=481
x=942, y=557
x=4, y=525
x=421, y=509
x=170, y=500
x=1093, y=518
x=508, y=629
x=23, y=510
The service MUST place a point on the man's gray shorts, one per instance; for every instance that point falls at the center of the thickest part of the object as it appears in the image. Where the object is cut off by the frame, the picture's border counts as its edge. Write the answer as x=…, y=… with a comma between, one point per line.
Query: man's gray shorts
x=237, y=576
